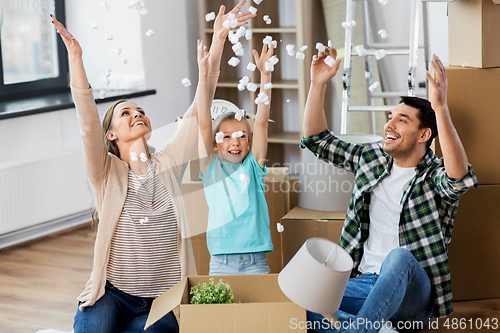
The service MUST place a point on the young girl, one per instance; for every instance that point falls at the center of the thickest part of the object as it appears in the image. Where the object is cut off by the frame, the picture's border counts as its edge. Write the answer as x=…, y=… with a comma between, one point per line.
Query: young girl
x=238, y=234
x=141, y=248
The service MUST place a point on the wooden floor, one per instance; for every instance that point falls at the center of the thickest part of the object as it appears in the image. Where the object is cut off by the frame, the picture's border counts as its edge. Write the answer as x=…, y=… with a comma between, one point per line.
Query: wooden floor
x=39, y=283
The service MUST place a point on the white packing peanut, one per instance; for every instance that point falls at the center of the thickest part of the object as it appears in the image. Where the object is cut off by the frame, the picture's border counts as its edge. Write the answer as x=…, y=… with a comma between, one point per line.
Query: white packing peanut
x=383, y=2
x=244, y=80
x=329, y=61
x=186, y=82
x=274, y=60
x=234, y=61
x=268, y=86
x=108, y=72
x=320, y=47
x=143, y=157
x=219, y=137
x=102, y=94
x=94, y=25
x=108, y=36
x=291, y=53
x=116, y=50
x=238, y=134
x=144, y=11
x=374, y=86
x=124, y=60
x=268, y=40
x=251, y=87
x=234, y=23
x=257, y=1
x=149, y=33
x=303, y=48
x=330, y=43
x=226, y=24
x=106, y=81
x=291, y=47
x=131, y=4
x=239, y=114
x=236, y=47
x=280, y=227
x=266, y=102
x=241, y=31
x=252, y=10
x=248, y=34
x=210, y=16
x=244, y=178
x=275, y=44
x=105, y=6
x=353, y=23
x=241, y=87
x=251, y=66
x=269, y=66
x=300, y=56
x=133, y=156
x=265, y=17
x=379, y=54
x=231, y=16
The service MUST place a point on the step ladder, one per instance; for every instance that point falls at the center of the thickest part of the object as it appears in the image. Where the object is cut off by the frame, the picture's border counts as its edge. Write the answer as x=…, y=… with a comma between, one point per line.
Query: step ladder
x=390, y=50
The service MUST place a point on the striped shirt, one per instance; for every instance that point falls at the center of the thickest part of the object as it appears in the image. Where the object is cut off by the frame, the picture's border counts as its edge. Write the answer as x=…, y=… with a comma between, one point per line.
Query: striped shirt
x=428, y=207
x=144, y=258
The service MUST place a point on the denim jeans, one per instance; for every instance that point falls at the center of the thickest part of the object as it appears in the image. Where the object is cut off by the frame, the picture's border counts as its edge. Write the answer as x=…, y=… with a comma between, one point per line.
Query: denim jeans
x=400, y=294
x=119, y=312
x=238, y=264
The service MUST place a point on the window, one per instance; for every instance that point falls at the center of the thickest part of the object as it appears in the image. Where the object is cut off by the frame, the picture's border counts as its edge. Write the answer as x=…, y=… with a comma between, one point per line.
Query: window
x=33, y=59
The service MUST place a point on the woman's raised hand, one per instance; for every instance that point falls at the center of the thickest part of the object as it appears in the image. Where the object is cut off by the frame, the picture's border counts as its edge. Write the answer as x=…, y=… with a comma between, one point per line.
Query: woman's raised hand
x=72, y=45
x=219, y=30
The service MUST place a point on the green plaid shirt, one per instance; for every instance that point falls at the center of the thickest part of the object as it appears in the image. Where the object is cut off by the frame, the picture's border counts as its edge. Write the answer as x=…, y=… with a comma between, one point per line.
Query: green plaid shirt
x=428, y=207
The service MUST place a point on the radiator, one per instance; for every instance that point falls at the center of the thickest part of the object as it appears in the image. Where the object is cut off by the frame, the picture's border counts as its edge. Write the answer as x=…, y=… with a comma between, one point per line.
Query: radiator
x=42, y=196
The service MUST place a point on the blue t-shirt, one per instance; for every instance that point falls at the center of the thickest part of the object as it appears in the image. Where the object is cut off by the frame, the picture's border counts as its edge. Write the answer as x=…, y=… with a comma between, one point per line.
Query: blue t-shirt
x=238, y=218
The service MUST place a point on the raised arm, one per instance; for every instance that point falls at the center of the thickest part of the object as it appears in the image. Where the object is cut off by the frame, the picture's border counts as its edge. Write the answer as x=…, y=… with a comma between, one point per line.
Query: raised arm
x=76, y=68
x=454, y=156
x=260, y=130
x=204, y=116
x=321, y=73
x=94, y=148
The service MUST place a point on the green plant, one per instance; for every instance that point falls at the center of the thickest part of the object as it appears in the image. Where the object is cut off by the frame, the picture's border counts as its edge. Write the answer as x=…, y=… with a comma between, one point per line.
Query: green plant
x=211, y=293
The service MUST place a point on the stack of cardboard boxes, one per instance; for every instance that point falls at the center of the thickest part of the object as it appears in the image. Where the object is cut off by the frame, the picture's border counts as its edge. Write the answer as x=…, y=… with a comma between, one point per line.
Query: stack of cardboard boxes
x=474, y=103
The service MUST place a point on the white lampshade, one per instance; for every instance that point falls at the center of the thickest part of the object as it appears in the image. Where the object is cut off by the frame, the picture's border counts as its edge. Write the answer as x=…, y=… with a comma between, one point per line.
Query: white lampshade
x=316, y=276
x=323, y=186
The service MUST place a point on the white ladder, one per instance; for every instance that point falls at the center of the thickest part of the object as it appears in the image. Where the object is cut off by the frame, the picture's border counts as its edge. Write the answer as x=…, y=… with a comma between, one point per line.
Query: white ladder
x=371, y=48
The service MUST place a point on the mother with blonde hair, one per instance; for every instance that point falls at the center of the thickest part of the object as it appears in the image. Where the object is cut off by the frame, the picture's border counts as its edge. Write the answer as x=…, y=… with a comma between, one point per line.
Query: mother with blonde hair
x=142, y=246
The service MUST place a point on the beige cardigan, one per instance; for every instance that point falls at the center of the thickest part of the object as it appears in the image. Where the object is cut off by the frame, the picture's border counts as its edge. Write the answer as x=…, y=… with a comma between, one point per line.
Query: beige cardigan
x=108, y=176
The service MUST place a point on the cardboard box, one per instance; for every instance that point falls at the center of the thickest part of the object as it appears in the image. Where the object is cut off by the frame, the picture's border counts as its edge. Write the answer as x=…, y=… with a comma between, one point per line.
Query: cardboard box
x=278, y=202
x=263, y=308
x=473, y=102
x=474, y=33
x=301, y=224
x=474, y=254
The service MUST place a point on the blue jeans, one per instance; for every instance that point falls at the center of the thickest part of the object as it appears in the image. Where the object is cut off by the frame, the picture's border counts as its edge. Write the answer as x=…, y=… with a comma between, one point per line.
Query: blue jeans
x=400, y=294
x=119, y=312
x=238, y=264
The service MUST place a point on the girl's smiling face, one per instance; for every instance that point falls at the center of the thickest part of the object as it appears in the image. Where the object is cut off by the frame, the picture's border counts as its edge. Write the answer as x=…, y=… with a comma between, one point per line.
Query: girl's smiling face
x=233, y=149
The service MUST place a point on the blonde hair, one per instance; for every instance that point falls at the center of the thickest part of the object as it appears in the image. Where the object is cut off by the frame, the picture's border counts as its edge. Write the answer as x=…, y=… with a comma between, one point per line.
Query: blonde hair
x=226, y=116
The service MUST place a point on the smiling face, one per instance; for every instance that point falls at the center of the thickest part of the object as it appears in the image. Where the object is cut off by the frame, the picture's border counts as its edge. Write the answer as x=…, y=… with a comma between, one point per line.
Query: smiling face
x=403, y=135
x=129, y=123
x=231, y=149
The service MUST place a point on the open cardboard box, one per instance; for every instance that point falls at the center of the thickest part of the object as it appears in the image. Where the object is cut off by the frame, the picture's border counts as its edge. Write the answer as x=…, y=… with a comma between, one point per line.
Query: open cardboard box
x=474, y=33
x=300, y=224
x=260, y=307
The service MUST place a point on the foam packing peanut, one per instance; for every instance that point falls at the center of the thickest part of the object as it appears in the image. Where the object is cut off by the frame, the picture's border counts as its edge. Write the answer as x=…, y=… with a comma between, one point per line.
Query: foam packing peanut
x=133, y=156
x=94, y=25
x=329, y=61
x=233, y=61
x=244, y=178
x=108, y=36
x=383, y=2
x=251, y=66
x=105, y=6
x=280, y=227
x=257, y=1
x=251, y=87
x=210, y=16
x=374, y=86
x=143, y=11
x=186, y=82
x=244, y=80
x=274, y=60
x=124, y=60
x=320, y=47
x=219, y=137
x=252, y=10
x=248, y=34
x=379, y=54
x=303, y=48
x=149, y=33
x=269, y=66
x=143, y=157
x=102, y=94
x=238, y=134
x=241, y=87
x=300, y=56
x=226, y=24
x=268, y=86
x=116, y=50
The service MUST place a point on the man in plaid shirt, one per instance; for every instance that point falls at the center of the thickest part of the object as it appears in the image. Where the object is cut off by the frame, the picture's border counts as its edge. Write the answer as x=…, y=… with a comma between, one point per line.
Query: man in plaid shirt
x=399, y=221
